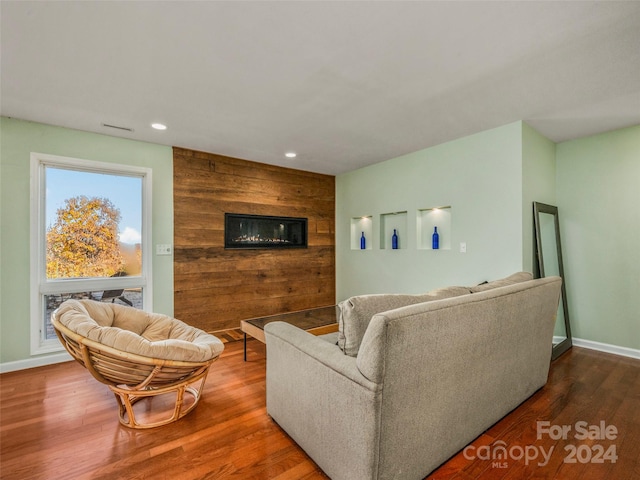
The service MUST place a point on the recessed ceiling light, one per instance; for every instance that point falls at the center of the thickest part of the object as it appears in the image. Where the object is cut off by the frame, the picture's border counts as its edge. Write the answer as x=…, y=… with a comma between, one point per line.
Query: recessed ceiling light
x=290, y=155
x=158, y=126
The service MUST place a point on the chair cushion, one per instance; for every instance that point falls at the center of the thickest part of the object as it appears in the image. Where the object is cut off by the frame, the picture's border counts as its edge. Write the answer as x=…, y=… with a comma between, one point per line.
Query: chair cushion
x=356, y=312
x=135, y=331
x=510, y=280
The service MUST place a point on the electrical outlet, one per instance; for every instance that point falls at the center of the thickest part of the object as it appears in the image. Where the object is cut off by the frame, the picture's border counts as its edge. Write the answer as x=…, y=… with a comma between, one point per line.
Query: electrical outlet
x=463, y=247
x=163, y=249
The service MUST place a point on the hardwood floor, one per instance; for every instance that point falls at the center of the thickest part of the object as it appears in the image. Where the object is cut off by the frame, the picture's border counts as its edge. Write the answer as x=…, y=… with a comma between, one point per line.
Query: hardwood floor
x=57, y=422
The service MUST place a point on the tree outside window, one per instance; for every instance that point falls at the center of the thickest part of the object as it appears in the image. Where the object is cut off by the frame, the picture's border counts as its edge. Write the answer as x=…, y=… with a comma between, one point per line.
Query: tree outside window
x=83, y=242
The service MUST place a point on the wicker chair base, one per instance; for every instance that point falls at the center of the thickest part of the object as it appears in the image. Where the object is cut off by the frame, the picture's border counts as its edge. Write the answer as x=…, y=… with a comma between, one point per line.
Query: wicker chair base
x=127, y=398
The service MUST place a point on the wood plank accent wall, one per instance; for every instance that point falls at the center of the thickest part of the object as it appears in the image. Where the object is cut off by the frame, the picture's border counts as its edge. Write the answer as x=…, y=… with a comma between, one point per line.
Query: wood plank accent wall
x=215, y=287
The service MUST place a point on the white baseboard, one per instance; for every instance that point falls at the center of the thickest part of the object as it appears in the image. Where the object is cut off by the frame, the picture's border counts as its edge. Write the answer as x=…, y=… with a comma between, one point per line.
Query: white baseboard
x=607, y=348
x=35, y=362
x=65, y=357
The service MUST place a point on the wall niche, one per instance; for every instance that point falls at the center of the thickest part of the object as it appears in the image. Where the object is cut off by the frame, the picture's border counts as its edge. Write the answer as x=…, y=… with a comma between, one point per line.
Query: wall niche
x=390, y=223
x=427, y=220
x=362, y=227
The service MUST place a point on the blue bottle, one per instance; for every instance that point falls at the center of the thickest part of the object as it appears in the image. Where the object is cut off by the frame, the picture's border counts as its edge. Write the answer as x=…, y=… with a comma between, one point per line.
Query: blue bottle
x=394, y=240
x=363, y=242
x=435, y=239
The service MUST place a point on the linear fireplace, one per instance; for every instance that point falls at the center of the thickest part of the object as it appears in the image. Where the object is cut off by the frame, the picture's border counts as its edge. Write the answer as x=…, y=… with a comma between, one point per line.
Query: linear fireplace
x=259, y=231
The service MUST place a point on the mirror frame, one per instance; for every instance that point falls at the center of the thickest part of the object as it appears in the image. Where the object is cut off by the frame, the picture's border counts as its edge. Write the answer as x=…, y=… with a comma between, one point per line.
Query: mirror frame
x=539, y=208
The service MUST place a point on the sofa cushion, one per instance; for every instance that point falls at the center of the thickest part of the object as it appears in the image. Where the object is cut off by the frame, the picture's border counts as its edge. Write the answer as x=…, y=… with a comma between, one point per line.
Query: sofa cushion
x=510, y=280
x=356, y=312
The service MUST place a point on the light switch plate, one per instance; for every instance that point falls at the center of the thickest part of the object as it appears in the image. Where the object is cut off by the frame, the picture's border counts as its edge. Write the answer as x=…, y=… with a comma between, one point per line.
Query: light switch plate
x=463, y=247
x=163, y=249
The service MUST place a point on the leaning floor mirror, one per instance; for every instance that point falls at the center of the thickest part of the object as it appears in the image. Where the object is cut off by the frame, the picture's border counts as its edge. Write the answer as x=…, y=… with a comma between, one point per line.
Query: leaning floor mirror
x=549, y=263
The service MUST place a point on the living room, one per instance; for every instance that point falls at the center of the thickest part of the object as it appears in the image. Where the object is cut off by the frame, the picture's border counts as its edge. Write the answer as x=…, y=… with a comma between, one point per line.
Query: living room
x=486, y=177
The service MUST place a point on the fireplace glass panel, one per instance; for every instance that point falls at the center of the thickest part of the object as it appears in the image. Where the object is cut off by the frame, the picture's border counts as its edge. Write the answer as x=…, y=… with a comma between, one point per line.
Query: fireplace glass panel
x=259, y=231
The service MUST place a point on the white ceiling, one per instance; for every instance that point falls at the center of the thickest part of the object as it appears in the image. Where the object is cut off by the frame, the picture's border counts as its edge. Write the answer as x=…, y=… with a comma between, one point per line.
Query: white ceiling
x=344, y=84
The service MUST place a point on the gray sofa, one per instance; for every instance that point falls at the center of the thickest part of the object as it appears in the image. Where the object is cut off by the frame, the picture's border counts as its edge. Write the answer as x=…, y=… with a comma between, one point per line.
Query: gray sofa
x=426, y=380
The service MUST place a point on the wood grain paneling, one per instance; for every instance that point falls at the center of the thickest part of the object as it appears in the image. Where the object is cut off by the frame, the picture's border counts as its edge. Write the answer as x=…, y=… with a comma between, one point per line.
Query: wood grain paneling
x=214, y=287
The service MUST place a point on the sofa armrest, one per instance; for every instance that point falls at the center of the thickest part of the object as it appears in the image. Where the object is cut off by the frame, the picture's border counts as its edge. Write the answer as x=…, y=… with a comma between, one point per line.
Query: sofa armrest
x=319, y=397
x=317, y=350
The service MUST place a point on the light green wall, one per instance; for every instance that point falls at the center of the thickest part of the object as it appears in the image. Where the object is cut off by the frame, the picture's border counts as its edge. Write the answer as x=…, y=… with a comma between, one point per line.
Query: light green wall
x=18, y=139
x=598, y=181
x=491, y=179
x=538, y=185
x=479, y=176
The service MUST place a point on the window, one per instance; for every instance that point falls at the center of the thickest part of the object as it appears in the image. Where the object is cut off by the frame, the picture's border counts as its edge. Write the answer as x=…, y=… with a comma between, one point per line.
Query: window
x=90, y=238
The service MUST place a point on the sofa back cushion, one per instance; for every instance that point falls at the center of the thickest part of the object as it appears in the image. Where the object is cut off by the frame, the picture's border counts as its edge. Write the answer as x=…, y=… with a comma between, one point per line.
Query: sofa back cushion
x=356, y=312
x=503, y=282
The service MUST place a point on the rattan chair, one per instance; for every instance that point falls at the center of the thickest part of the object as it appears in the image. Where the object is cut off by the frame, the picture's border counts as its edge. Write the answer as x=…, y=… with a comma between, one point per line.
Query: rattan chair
x=138, y=355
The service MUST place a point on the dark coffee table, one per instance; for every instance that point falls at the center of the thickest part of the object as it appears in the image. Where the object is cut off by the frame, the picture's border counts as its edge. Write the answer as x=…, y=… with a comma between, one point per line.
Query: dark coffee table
x=316, y=320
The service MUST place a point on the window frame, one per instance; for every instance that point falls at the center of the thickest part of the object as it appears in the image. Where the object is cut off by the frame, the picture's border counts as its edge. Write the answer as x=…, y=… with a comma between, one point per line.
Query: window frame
x=40, y=285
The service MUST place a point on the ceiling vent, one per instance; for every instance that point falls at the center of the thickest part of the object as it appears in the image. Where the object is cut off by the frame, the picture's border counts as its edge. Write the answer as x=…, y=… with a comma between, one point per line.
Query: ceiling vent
x=126, y=129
